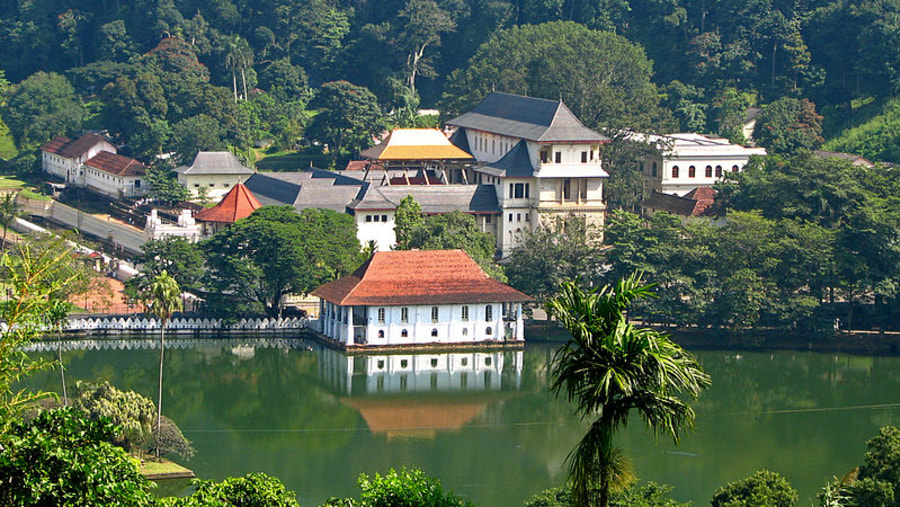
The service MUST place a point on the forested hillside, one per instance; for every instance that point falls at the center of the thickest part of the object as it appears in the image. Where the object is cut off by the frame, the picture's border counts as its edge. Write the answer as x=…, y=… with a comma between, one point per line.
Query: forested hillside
x=182, y=75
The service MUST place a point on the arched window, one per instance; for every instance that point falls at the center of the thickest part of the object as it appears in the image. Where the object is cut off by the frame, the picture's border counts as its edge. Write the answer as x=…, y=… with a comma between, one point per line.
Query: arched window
x=674, y=171
x=735, y=169
x=434, y=332
x=709, y=171
x=489, y=331
x=718, y=171
x=653, y=169
x=692, y=172
x=465, y=331
x=488, y=313
x=381, y=333
x=404, y=333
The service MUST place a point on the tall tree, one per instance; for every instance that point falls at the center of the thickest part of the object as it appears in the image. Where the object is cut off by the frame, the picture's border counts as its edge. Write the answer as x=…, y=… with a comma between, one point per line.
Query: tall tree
x=43, y=106
x=424, y=22
x=347, y=120
x=609, y=368
x=163, y=298
x=789, y=125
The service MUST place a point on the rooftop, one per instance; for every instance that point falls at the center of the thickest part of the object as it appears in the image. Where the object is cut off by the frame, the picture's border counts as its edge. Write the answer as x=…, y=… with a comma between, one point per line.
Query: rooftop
x=238, y=203
x=119, y=165
x=67, y=148
x=215, y=162
x=418, y=277
x=433, y=199
x=415, y=144
x=528, y=118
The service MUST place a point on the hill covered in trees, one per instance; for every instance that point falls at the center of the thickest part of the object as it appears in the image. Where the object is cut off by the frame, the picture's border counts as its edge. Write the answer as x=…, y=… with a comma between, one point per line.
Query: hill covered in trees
x=183, y=75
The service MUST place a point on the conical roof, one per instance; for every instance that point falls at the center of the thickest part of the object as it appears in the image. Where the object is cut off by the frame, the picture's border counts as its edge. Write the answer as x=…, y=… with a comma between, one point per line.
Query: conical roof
x=238, y=203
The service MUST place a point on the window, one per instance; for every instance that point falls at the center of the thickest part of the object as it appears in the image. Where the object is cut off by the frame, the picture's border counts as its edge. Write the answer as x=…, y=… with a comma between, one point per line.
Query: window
x=489, y=331
x=212, y=185
x=368, y=218
x=527, y=190
x=375, y=217
x=488, y=313
x=465, y=314
x=137, y=183
x=510, y=217
x=487, y=219
x=465, y=331
x=734, y=169
x=404, y=333
x=434, y=314
x=381, y=333
x=434, y=362
x=527, y=217
x=519, y=190
x=718, y=171
x=384, y=218
x=487, y=361
x=709, y=171
x=653, y=169
x=196, y=185
x=381, y=364
x=584, y=157
x=692, y=172
x=582, y=190
x=404, y=363
x=558, y=157
x=567, y=189
x=404, y=314
x=381, y=315
x=545, y=156
x=518, y=217
x=465, y=361
x=511, y=189
x=226, y=185
x=434, y=333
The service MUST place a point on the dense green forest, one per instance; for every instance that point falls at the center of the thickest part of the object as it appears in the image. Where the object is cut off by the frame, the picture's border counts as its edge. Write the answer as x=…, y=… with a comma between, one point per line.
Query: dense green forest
x=183, y=75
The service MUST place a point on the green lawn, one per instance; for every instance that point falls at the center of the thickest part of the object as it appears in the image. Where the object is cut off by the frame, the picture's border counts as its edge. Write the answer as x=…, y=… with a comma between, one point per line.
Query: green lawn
x=6, y=182
x=289, y=160
x=151, y=467
x=8, y=149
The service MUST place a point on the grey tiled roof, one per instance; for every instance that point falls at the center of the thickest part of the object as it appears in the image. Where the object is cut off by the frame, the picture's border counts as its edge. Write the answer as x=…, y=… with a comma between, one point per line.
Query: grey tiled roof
x=432, y=199
x=307, y=189
x=515, y=164
x=529, y=118
x=215, y=162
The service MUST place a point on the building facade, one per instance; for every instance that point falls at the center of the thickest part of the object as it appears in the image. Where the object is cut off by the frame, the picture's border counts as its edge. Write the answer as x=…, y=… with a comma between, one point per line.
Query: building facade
x=214, y=171
x=91, y=162
x=542, y=162
x=420, y=297
x=685, y=162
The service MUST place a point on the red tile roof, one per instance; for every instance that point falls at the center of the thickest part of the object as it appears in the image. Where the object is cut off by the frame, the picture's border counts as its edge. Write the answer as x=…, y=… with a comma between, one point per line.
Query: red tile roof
x=418, y=277
x=705, y=197
x=238, y=203
x=119, y=165
x=73, y=149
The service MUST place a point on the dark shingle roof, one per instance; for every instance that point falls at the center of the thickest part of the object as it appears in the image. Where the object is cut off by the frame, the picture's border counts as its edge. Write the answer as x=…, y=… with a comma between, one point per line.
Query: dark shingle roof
x=433, y=199
x=65, y=147
x=215, y=162
x=515, y=164
x=307, y=189
x=529, y=118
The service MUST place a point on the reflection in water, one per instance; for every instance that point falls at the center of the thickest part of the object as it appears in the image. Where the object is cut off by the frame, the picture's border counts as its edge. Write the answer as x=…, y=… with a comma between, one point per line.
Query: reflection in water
x=484, y=423
x=419, y=395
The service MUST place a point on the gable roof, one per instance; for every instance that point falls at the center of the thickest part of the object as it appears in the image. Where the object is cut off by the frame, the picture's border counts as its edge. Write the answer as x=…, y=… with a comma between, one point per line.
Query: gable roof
x=418, y=277
x=215, y=162
x=307, y=189
x=433, y=199
x=515, y=164
x=67, y=148
x=238, y=203
x=120, y=165
x=528, y=118
x=415, y=144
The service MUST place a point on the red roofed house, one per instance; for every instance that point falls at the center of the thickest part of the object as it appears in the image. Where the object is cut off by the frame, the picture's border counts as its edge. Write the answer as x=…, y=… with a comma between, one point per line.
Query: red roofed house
x=420, y=297
x=63, y=157
x=91, y=162
x=238, y=203
x=116, y=176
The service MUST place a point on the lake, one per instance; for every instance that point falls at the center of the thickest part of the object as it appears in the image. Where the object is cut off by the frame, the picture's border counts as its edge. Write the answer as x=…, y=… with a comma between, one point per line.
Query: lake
x=484, y=423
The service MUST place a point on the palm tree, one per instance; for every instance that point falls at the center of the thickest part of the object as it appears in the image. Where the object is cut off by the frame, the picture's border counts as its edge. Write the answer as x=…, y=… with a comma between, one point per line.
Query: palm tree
x=163, y=298
x=610, y=367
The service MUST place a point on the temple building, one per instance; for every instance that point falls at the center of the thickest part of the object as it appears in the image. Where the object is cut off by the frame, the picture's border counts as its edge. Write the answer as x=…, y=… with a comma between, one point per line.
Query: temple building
x=420, y=297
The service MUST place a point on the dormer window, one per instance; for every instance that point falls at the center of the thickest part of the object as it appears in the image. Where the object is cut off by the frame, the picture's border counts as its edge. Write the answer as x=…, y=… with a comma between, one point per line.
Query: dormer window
x=545, y=156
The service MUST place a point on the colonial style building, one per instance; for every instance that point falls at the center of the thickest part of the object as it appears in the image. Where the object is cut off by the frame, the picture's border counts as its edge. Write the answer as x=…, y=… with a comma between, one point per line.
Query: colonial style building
x=92, y=162
x=688, y=161
x=216, y=171
x=420, y=297
x=541, y=160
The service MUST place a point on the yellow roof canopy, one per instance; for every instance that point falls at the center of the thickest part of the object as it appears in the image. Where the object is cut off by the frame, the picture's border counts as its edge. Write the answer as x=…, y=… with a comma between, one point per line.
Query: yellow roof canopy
x=415, y=144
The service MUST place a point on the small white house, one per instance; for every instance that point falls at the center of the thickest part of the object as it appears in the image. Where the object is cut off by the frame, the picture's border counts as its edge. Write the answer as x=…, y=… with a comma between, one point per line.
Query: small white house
x=420, y=297
x=115, y=176
x=63, y=157
x=216, y=171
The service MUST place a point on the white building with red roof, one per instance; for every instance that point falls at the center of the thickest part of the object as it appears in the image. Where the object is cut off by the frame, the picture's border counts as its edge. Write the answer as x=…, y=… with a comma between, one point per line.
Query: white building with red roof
x=92, y=162
x=420, y=297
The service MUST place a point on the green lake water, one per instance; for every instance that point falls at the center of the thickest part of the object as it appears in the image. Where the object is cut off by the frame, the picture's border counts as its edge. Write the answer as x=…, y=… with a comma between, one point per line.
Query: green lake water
x=484, y=423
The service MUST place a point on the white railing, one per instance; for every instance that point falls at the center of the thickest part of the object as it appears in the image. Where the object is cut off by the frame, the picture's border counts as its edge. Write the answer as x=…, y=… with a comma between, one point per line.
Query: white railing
x=107, y=325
